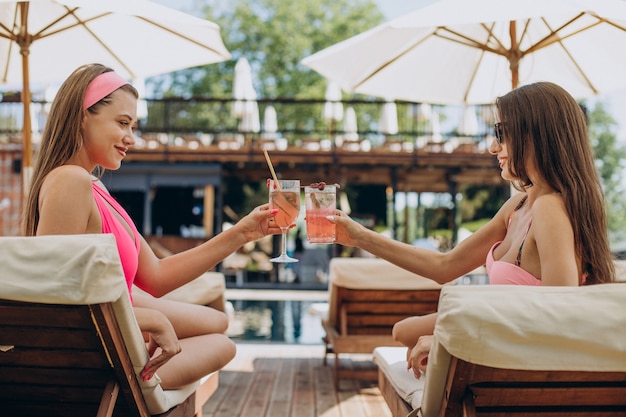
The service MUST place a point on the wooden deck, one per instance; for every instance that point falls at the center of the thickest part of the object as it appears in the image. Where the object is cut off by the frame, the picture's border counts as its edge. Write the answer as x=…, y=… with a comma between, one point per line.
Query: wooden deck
x=278, y=380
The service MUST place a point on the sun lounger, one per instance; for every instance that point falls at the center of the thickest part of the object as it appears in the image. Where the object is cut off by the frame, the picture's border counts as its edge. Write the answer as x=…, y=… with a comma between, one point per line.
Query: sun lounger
x=523, y=351
x=69, y=342
x=367, y=296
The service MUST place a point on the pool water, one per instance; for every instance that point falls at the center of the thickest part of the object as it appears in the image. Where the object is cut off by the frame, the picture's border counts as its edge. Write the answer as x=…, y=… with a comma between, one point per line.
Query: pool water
x=277, y=321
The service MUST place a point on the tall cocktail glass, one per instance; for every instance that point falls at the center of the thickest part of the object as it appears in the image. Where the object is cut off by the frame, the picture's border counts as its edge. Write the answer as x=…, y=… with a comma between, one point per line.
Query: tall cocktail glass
x=285, y=196
x=320, y=201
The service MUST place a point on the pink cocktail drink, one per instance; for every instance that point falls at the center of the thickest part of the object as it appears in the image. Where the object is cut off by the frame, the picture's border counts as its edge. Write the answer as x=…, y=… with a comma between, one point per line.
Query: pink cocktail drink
x=288, y=205
x=284, y=196
x=320, y=203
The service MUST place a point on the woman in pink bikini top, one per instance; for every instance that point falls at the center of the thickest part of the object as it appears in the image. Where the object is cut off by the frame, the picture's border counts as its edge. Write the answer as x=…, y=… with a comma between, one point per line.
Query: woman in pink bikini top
x=91, y=127
x=553, y=232
x=501, y=272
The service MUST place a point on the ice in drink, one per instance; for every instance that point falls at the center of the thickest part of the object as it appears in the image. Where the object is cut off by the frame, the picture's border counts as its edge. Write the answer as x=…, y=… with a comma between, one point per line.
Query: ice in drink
x=320, y=202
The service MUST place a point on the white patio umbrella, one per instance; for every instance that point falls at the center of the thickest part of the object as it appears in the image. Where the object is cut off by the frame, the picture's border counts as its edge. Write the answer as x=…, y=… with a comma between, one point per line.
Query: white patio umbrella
x=469, y=52
x=469, y=122
x=270, y=122
x=425, y=114
x=350, y=128
x=333, y=107
x=270, y=126
x=245, y=107
x=435, y=127
x=142, y=106
x=426, y=110
x=389, y=118
x=43, y=41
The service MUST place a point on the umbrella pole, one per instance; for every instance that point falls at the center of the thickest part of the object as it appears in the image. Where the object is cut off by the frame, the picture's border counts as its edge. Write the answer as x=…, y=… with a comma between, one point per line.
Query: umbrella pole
x=514, y=55
x=27, y=149
x=24, y=44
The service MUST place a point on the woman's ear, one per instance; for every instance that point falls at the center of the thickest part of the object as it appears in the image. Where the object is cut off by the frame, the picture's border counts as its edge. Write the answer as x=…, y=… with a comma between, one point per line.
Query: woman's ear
x=83, y=122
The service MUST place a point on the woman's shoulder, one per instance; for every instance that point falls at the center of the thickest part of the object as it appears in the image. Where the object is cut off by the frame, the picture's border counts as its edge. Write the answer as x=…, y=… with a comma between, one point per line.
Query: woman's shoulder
x=69, y=175
x=548, y=203
x=67, y=204
x=70, y=178
x=549, y=210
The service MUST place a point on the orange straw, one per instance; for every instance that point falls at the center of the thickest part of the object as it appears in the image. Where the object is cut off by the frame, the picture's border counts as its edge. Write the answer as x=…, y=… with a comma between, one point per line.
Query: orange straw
x=269, y=163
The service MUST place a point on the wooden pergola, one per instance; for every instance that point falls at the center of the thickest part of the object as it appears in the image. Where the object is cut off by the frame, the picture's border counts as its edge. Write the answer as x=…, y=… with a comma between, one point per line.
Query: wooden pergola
x=418, y=171
x=403, y=171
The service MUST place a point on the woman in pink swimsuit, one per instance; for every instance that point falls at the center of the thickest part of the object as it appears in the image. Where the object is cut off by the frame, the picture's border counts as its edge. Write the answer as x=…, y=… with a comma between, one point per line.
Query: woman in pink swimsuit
x=553, y=232
x=91, y=125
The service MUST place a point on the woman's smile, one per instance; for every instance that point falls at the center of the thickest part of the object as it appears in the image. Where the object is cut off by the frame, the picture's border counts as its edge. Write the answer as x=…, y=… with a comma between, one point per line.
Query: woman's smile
x=122, y=150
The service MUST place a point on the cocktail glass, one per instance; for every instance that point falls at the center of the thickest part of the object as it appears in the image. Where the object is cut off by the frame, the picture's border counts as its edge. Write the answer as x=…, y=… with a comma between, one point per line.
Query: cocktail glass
x=285, y=196
x=320, y=202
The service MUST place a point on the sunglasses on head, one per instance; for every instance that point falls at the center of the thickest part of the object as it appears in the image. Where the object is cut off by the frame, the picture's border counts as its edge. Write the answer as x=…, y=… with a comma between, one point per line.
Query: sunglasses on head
x=498, y=132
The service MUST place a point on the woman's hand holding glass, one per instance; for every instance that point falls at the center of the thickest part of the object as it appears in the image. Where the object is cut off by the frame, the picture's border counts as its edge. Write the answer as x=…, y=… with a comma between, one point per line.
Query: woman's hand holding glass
x=258, y=224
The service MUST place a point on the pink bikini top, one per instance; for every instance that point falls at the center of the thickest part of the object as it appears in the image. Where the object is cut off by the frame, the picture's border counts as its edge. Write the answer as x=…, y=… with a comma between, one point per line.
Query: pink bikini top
x=501, y=272
x=127, y=246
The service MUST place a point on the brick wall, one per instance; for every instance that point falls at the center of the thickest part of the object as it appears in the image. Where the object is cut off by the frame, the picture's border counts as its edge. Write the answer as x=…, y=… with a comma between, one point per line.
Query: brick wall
x=10, y=190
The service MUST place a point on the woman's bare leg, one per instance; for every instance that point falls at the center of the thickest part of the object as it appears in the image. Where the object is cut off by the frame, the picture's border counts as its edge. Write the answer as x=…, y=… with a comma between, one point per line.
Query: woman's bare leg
x=188, y=319
x=200, y=356
x=407, y=331
x=204, y=346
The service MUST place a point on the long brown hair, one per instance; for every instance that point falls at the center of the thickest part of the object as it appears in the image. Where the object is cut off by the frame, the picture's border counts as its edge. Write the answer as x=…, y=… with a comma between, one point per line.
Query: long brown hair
x=543, y=121
x=62, y=137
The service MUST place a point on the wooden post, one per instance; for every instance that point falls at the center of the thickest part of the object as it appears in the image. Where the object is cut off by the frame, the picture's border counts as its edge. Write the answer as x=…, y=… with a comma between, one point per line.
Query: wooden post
x=209, y=209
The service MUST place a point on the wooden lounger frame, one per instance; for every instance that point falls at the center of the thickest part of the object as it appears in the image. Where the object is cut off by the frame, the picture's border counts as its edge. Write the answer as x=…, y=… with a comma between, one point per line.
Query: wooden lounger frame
x=397, y=405
x=364, y=320
x=480, y=391
x=70, y=360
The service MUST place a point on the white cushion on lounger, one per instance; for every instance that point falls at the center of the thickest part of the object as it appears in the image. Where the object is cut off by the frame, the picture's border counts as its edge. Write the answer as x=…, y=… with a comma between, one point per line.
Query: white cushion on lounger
x=571, y=328
x=77, y=269
x=375, y=273
x=81, y=269
x=391, y=360
x=202, y=290
x=531, y=328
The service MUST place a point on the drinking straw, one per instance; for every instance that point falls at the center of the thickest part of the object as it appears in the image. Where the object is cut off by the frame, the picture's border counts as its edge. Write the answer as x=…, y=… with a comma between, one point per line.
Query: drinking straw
x=269, y=163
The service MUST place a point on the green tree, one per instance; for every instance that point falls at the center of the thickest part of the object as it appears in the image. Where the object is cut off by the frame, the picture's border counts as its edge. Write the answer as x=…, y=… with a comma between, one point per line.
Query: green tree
x=610, y=156
x=274, y=35
x=482, y=202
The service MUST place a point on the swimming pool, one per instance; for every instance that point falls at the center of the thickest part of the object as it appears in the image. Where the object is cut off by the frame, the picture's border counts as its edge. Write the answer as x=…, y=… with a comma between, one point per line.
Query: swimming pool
x=292, y=317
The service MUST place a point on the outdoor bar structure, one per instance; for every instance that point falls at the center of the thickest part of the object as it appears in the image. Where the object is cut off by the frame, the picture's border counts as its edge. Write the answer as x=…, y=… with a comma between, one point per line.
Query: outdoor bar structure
x=418, y=156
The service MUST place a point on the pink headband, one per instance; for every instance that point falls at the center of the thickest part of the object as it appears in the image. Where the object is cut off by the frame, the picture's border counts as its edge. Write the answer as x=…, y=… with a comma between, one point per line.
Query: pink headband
x=101, y=86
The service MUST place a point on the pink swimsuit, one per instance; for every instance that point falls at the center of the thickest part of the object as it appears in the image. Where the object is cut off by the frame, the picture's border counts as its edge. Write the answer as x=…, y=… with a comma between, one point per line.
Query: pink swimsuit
x=501, y=272
x=127, y=247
